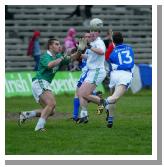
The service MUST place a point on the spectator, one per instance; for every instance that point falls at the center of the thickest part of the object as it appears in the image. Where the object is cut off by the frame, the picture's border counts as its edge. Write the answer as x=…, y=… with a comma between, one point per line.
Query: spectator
x=34, y=49
x=69, y=41
x=70, y=44
x=84, y=11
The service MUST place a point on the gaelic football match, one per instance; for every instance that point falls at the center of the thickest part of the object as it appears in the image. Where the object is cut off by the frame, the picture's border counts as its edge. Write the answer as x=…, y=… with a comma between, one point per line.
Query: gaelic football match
x=78, y=79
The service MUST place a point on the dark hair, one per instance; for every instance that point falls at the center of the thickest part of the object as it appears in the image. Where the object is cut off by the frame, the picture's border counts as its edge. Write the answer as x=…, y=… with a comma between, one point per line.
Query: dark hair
x=117, y=38
x=51, y=41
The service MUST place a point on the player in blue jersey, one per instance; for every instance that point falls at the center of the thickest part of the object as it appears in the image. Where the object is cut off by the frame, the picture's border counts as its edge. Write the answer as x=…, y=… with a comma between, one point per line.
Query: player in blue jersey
x=121, y=62
x=84, y=69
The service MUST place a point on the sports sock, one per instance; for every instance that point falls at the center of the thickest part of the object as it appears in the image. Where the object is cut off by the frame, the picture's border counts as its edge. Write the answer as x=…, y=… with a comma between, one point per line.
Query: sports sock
x=110, y=119
x=94, y=92
x=106, y=102
x=40, y=124
x=83, y=113
x=76, y=105
x=30, y=114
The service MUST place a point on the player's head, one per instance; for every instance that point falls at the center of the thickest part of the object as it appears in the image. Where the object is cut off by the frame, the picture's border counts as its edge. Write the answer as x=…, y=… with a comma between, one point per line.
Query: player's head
x=87, y=36
x=117, y=38
x=96, y=26
x=54, y=45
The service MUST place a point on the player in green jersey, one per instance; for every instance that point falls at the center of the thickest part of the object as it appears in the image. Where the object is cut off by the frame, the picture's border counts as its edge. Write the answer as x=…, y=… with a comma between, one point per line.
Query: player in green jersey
x=49, y=64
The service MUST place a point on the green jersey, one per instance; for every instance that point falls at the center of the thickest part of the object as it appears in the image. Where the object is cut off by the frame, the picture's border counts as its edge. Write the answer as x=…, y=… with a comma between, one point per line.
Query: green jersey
x=44, y=72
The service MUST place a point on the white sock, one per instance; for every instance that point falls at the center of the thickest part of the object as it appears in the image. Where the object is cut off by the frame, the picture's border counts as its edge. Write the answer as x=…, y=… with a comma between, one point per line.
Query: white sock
x=30, y=114
x=40, y=124
x=107, y=107
x=83, y=113
x=107, y=101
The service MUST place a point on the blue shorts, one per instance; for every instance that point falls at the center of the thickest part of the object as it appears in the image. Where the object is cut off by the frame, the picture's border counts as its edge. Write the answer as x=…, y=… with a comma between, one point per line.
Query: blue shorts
x=82, y=78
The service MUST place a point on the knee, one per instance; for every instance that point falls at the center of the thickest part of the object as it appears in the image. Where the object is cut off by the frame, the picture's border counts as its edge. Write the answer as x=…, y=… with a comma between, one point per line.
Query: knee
x=80, y=93
x=51, y=106
x=84, y=95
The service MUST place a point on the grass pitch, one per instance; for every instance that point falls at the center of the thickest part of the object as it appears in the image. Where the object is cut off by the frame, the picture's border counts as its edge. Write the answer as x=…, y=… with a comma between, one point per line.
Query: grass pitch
x=130, y=135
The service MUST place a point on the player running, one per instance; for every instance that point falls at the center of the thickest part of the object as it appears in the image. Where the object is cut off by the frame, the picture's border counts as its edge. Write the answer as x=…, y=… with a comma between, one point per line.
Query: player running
x=121, y=62
x=49, y=64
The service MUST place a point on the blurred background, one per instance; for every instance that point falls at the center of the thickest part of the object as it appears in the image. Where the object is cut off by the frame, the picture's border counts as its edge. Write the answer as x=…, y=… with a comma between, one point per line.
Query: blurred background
x=135, y=22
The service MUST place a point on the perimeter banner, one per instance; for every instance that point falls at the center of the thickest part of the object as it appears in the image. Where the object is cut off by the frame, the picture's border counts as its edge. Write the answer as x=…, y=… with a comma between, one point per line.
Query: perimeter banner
x=19, y=83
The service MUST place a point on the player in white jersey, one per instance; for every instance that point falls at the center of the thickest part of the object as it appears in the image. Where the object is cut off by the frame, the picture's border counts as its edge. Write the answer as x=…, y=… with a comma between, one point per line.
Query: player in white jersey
x=84, y=69
x=96, y=73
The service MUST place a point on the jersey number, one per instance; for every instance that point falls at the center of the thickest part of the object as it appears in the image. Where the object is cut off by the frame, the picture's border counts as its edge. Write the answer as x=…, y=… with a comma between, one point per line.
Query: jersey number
x=127, y=58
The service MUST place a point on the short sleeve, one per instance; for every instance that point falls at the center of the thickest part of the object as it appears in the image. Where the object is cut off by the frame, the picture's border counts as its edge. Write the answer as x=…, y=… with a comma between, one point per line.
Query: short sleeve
x=45, y=59
x=101, y=45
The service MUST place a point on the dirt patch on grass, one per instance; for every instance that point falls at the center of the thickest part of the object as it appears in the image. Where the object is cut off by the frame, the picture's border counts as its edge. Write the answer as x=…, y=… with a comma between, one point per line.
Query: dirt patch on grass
x=57, y=115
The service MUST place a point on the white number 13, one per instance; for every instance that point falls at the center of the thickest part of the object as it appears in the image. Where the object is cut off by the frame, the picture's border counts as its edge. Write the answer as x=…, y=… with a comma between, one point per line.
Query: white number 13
x=127, y=56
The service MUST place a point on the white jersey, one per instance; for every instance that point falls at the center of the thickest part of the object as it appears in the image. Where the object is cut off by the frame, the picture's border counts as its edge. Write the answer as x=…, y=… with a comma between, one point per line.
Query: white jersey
x=94, y=60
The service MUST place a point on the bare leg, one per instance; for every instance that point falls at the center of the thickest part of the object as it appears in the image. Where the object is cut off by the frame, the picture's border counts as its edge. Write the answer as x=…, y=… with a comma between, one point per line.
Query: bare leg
x=93, y=98
x=118, y=92
x=86, y=92
x=48, y=100
x=76, y=93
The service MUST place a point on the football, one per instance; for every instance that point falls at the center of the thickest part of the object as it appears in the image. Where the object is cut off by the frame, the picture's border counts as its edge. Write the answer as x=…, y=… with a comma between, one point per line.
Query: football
x=96, y=24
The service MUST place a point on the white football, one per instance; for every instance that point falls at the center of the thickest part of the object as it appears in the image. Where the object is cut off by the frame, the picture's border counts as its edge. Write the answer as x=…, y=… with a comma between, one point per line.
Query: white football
x=96, y=24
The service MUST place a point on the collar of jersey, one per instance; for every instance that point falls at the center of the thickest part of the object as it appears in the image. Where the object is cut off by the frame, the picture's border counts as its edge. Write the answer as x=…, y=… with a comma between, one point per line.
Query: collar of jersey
x=48, y=52
x=119, y=45
x=95, y=40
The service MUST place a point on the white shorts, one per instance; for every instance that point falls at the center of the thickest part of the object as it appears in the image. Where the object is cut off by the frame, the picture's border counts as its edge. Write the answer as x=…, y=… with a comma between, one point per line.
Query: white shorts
x=120, y=77
x=95, y=76
x=38, y=87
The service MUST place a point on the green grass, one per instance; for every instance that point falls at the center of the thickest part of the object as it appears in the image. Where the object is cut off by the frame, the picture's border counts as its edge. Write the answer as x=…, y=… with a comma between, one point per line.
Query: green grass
x=130, y=135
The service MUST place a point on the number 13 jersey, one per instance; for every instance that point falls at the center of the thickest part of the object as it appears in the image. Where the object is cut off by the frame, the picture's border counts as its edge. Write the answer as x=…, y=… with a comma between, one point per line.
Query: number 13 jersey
x=123, y=56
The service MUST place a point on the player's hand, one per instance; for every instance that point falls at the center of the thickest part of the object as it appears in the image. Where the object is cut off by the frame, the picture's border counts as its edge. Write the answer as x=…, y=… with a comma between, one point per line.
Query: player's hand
x=82, y=45
x=114, y=66
x=65, y=56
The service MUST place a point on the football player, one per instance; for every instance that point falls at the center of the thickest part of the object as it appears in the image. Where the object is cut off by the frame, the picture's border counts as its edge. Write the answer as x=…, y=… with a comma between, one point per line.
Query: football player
x=96, y=69
x=121, y=62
